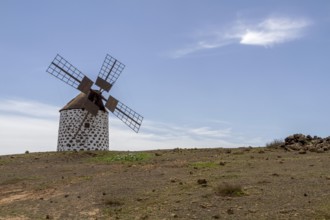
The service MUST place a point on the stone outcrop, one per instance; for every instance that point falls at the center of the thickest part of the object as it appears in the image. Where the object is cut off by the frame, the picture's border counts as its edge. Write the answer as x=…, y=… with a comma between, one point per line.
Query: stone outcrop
x=304, y=143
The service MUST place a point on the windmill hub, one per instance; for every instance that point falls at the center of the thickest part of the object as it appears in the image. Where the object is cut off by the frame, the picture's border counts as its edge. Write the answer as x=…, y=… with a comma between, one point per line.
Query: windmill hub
x=96, y=97
x=84, y=120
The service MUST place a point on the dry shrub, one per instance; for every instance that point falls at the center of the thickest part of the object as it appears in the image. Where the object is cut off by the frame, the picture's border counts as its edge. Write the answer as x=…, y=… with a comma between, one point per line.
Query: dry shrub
x=275, y=143
x=113, y=202
x=231, y=190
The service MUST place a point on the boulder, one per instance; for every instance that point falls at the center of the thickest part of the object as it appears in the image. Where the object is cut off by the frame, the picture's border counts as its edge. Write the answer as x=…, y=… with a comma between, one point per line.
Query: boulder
x=303, y=143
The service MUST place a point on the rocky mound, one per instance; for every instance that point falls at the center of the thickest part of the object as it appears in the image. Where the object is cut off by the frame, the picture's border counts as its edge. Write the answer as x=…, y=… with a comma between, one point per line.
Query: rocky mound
x=304, y=143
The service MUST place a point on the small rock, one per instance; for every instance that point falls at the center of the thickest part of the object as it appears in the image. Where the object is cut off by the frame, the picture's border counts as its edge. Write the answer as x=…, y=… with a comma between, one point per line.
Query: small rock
x=230, y=211
x=222, y=163
x=174, y=215
x=228, y=151
x=143, y=217
x=158, y=154
x=201, y=181
x=302, y=151
x=47, y=217
x=216, y=216
x=104, y=193
x=66, y=195
x=320, y=150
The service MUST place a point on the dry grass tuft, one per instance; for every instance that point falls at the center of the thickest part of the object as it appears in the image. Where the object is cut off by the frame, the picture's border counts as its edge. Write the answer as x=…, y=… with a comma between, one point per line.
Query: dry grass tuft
x=113, y=202
x=230, y=190
x=275, y=143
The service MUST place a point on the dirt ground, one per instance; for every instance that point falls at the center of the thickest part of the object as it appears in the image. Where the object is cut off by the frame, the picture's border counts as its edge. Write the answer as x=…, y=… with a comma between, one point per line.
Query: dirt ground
x=243, y=183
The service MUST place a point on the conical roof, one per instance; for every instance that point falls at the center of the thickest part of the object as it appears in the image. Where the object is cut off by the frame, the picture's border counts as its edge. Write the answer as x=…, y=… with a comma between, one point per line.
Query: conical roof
x=79, y=100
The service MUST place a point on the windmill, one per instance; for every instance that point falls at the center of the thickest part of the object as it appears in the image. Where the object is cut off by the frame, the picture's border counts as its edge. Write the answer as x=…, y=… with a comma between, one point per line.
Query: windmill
x=84, y=120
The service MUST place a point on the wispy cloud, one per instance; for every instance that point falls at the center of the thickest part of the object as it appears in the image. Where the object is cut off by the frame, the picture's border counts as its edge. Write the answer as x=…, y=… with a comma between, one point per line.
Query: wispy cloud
x=274, y=31
x=160, y=135
x=33, y=126
x=267, y=32
x=21, y=133
x=27, y=125
x=29, y=108
x=200, y=45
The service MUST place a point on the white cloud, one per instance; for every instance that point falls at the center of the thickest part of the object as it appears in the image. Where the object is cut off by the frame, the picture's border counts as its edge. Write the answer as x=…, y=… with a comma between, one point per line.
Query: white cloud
x=30, y=108
x=27, y=125
x=268, y=32
x=30, y=125
x=21, y=133
x=274, y=31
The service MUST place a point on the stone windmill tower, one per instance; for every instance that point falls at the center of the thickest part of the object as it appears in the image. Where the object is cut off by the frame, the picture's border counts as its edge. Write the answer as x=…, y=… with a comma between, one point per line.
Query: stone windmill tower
x=84, y=123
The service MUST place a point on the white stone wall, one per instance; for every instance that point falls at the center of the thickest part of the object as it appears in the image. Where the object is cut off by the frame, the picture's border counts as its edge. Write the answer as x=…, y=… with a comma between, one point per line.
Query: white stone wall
x=92, y=135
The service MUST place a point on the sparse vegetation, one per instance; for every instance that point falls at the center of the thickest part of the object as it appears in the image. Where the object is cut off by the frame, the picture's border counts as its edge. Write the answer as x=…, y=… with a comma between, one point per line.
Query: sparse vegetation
x=42, y=186
x=231, y=190
x=128, y=157
x=85, y=178
x=15, y=180
x=275, y=143
x=141, y=185
x=208, y=164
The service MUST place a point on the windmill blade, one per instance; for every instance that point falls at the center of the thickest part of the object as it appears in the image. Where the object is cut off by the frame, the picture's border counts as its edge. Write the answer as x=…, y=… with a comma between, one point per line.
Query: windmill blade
x=109, y=73
x=124, y=113
x=63, y=70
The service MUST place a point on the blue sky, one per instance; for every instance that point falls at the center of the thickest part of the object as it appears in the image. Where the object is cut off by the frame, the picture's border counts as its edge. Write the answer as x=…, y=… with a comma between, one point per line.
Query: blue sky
x=202, y=73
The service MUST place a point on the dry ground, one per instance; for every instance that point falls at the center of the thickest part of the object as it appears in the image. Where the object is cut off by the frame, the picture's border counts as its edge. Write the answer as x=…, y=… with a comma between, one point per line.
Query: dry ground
x=244, y=183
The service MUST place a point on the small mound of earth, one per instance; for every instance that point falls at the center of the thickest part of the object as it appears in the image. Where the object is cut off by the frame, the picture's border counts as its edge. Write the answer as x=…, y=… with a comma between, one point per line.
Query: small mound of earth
x=304, y=143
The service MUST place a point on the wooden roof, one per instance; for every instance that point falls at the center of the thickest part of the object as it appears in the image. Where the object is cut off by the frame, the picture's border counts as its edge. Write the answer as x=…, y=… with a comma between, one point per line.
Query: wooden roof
x=79, y=100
